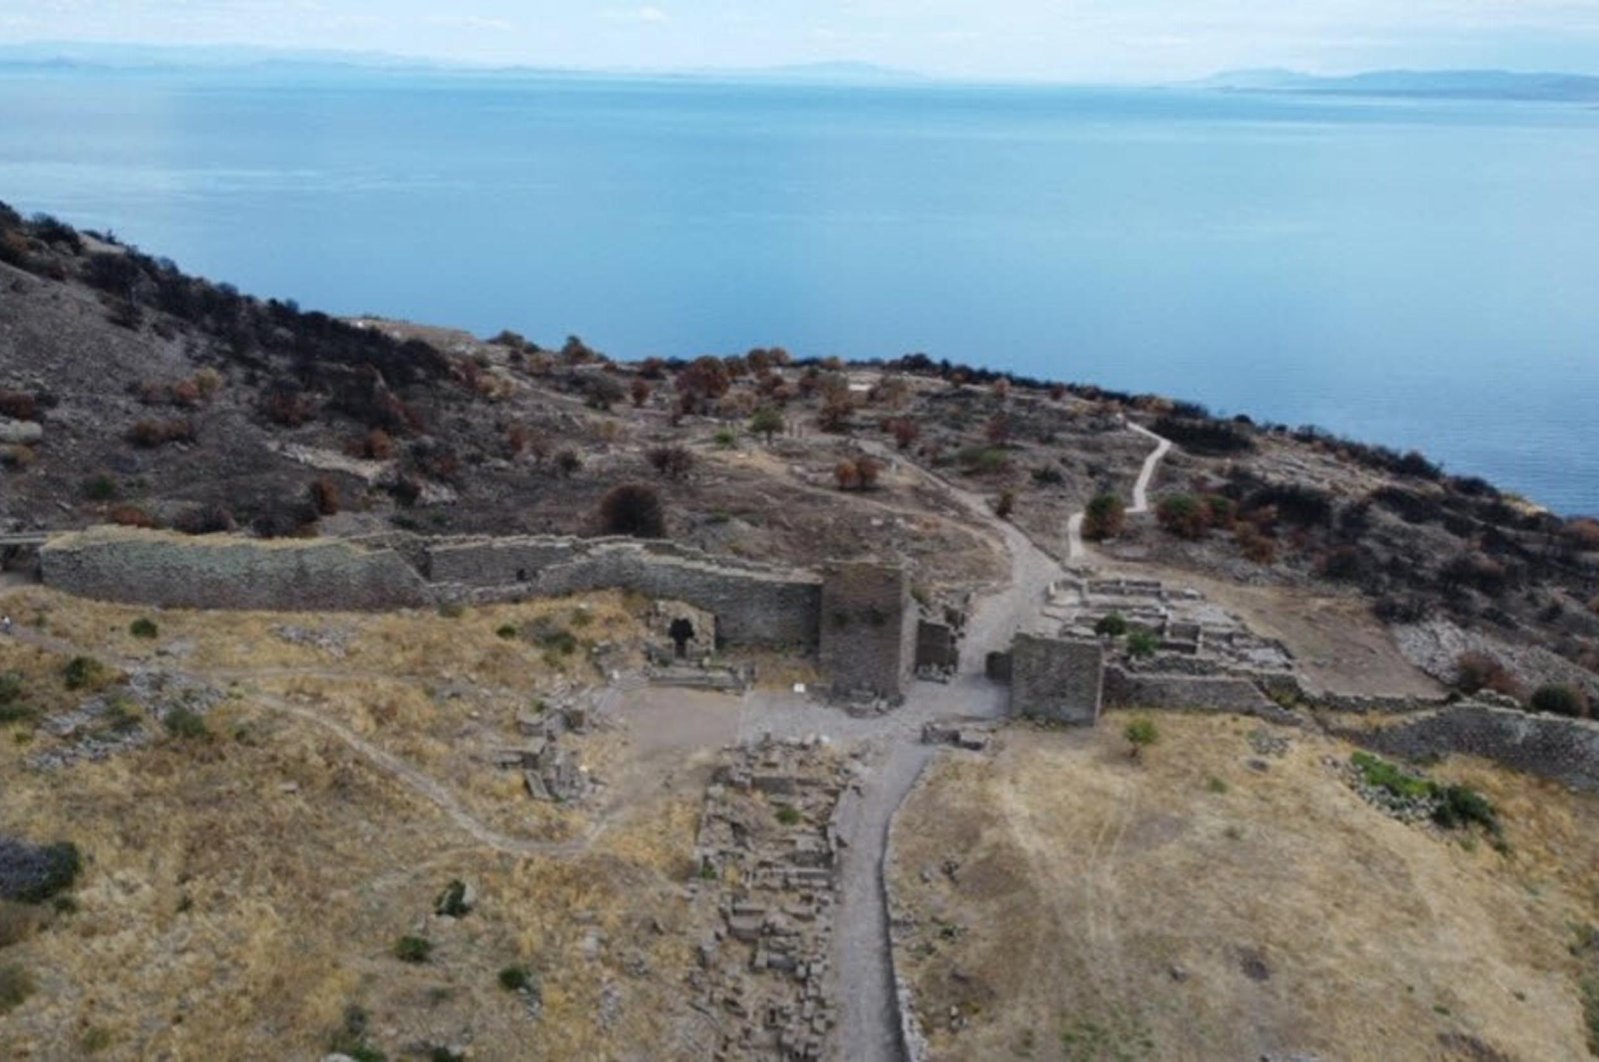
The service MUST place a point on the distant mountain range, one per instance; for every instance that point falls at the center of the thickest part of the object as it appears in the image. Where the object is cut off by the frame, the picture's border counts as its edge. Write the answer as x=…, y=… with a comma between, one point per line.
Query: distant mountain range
x=52, y=55
x=1430, y=84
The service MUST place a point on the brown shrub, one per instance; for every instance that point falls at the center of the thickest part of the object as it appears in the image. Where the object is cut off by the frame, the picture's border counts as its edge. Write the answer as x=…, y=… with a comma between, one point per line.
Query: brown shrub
x=1583, y=534
x=17, y=458
x=905, y=432
x=18, y=405
x=1184, y=516
x=324, y=494
x=186, y=393
x=148, y=434
x=288, y=408
x=209, y=383
x=848, y=477
x=1256, y=547
x=204, y=520
x=130, y=516
x=376, y=445
x=1476, y=671
x=835, y=414
x=868, y=470
x=639, y=392
x=1005, y=504
x=673, y=462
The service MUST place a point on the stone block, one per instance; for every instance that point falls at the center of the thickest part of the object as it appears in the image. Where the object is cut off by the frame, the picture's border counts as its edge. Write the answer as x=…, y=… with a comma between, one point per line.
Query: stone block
x=1056, y=679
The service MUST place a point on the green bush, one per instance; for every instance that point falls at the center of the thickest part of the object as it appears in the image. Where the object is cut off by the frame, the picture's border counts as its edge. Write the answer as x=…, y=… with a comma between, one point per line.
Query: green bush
x=1462, y=806
x=1384, y=775
x=1556, y=699
x=507, y=631
x=100, y=488
x=58, y=866
x=452, y=901
x=1105, y=517
x=186, y=724
x=413, y=949
x=726, y=438
x=1111, y=625
x=1141, y=733
x=16, y=985
x=81, y=672
x=11, y=707
x=143, y=627
x=452, y=610
x=1142, y=643
x=789, y=815
x=1184, y=516
x=516, y=978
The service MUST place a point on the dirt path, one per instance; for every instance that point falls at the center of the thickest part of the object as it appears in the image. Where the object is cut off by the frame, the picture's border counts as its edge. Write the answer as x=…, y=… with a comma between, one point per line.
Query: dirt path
x=869, y=1028
x=390, y=764
x=1075, y=549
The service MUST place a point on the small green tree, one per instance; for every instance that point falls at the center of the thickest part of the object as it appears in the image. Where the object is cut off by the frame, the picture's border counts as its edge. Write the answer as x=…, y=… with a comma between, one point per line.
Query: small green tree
x=1557, y=699
x=1140, y=734
x=1105, y=518
x=1111, y=625
x=766, y=422
x=1142, y=643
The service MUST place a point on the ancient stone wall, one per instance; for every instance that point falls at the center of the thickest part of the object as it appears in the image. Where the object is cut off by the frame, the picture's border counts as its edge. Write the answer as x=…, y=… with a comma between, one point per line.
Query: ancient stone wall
x=1566, y=750
x=1212, y=693
x=155, y=568
x=868, y=630
x=1056, y=678
x=937, y=647
x=752, y=604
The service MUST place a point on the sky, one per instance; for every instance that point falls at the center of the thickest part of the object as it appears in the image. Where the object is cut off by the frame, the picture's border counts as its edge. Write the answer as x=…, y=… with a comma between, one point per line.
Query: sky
x=1060, y=40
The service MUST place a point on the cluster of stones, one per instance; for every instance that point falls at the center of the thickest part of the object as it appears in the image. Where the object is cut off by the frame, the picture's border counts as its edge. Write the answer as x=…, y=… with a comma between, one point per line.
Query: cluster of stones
x=1190, y=629
x=1419, y=807
x=550, y=770
x=768, y=854
x=123, y=717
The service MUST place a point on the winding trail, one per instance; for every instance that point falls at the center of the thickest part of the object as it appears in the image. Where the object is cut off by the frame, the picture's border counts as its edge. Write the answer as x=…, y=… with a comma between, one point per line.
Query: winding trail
x=398, y=769
x=1075, y=549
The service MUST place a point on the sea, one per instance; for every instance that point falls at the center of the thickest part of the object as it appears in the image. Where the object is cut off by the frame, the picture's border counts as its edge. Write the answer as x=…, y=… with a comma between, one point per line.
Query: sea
x=1418, y=273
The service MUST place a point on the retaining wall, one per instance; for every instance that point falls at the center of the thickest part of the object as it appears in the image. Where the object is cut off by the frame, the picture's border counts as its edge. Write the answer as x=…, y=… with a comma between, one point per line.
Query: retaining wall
x=1213, y=693
x=224, y=572
x=1058, y=679
x=752, y=604
x=1566, y=750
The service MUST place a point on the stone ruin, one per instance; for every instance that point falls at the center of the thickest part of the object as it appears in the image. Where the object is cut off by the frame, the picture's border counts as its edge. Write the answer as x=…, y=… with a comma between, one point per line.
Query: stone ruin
x=551, y=770
x=1204, y=656
x=868, y=631
x=768, y=850
x=858, y=615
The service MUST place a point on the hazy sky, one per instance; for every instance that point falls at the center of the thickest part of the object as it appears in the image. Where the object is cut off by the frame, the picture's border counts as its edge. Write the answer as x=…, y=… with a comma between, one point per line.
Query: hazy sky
x=1055, y=39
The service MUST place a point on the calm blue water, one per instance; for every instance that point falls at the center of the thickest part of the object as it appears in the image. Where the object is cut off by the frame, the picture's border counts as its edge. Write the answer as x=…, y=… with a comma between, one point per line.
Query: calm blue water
x=1415, y=273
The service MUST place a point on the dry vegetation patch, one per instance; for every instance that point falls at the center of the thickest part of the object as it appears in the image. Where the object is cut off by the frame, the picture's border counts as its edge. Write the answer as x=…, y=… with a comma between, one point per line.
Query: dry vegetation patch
x=1069, y=902
x=244, y=892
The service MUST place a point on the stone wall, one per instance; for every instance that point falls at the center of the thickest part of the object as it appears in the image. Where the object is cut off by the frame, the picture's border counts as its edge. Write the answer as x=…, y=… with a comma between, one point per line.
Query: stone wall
x=868, y=630
x=752, y=604
x=224, y=572
x=1056, y=678
x=1566, y=750
x=937, y=647
x=1212, y=693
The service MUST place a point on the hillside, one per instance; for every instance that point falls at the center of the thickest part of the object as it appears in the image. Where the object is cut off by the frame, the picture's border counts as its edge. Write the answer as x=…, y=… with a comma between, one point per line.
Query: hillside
x=522, y=822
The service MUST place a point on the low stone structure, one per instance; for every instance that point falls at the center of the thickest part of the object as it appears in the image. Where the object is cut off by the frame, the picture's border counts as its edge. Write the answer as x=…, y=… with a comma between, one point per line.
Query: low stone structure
x=768, y=853
x=1057, y=679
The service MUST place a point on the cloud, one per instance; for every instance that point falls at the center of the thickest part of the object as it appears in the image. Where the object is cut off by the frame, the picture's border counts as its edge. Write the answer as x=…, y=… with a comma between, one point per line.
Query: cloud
x=649, y=15
x=469, y=22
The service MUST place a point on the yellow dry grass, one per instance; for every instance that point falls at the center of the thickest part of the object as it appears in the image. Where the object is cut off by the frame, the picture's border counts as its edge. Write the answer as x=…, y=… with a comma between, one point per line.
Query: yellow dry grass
x=239, y=893
x=1100, y=906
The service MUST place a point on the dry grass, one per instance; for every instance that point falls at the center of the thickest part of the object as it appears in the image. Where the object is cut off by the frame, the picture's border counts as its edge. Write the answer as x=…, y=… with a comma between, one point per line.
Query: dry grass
x=240, y=892
x=1150, y=910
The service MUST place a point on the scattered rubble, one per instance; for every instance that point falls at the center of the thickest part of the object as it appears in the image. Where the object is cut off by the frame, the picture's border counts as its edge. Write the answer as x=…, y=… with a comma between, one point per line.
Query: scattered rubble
x=768, y=852
x=122, y=717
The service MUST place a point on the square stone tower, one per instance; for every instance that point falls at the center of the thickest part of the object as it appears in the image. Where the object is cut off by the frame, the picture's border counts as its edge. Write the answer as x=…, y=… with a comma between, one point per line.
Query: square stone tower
x=1061, y=679
x=868, y=630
